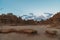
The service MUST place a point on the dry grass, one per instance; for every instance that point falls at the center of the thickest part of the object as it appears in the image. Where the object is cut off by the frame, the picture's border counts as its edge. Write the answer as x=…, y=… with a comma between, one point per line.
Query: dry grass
x=21, y=36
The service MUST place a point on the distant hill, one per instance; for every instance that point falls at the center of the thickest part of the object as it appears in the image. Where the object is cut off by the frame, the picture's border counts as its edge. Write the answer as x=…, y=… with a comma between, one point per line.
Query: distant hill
x=13, y=20
x=53, y=21
x=56, y=19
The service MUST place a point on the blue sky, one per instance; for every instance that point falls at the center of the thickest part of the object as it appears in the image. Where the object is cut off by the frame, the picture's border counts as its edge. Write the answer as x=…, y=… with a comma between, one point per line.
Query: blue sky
x=22, y=7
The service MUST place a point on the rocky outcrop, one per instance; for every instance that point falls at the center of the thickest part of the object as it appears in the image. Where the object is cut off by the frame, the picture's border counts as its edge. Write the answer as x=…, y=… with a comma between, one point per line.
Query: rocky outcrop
x=53, y=21
x=25, y=31
x=28, y=31
x=56, y=20
x=51, y=33
x=13, y=20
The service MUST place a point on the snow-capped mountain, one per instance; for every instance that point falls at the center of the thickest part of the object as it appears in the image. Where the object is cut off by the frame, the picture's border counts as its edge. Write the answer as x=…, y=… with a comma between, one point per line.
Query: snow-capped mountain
x=48, y=15
x=34, y=17
x=28, y=17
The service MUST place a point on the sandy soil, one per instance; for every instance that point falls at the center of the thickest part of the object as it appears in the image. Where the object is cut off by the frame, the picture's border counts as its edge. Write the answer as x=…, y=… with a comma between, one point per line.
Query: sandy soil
x=40, y=36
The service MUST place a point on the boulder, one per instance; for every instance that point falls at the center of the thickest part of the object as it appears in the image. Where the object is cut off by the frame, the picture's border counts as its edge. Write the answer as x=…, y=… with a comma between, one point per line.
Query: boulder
x=27, y=31
x=7, y=30
x=51, y=32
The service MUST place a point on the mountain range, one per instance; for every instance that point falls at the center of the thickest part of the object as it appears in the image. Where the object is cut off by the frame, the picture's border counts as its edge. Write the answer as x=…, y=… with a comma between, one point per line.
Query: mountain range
x=34, y=17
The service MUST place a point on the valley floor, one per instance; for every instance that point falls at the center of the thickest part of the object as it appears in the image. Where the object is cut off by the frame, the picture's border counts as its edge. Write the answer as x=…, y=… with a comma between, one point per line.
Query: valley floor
x=40, y=36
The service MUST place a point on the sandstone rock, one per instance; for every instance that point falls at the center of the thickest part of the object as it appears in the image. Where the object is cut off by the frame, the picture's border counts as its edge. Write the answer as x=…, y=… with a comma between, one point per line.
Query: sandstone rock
x=28, y=31
x=51, y=32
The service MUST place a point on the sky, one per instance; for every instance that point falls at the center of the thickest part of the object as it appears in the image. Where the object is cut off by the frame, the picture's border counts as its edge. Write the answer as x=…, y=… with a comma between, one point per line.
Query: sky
x=24, y=7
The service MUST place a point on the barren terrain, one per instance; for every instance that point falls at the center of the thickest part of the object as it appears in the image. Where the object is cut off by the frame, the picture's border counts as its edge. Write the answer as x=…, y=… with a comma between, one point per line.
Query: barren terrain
x=40, y=36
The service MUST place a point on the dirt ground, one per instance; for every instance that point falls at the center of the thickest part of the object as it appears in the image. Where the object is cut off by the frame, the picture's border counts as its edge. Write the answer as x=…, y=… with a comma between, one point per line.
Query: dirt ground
x=40, y=36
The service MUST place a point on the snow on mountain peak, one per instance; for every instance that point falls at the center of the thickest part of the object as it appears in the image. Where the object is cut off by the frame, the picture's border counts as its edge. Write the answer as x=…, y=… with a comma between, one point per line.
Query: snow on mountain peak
x=34, y=17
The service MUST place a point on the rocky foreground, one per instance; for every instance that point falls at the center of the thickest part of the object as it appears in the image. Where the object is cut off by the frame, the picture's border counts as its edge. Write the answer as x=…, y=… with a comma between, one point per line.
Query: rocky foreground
x=43, y=32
